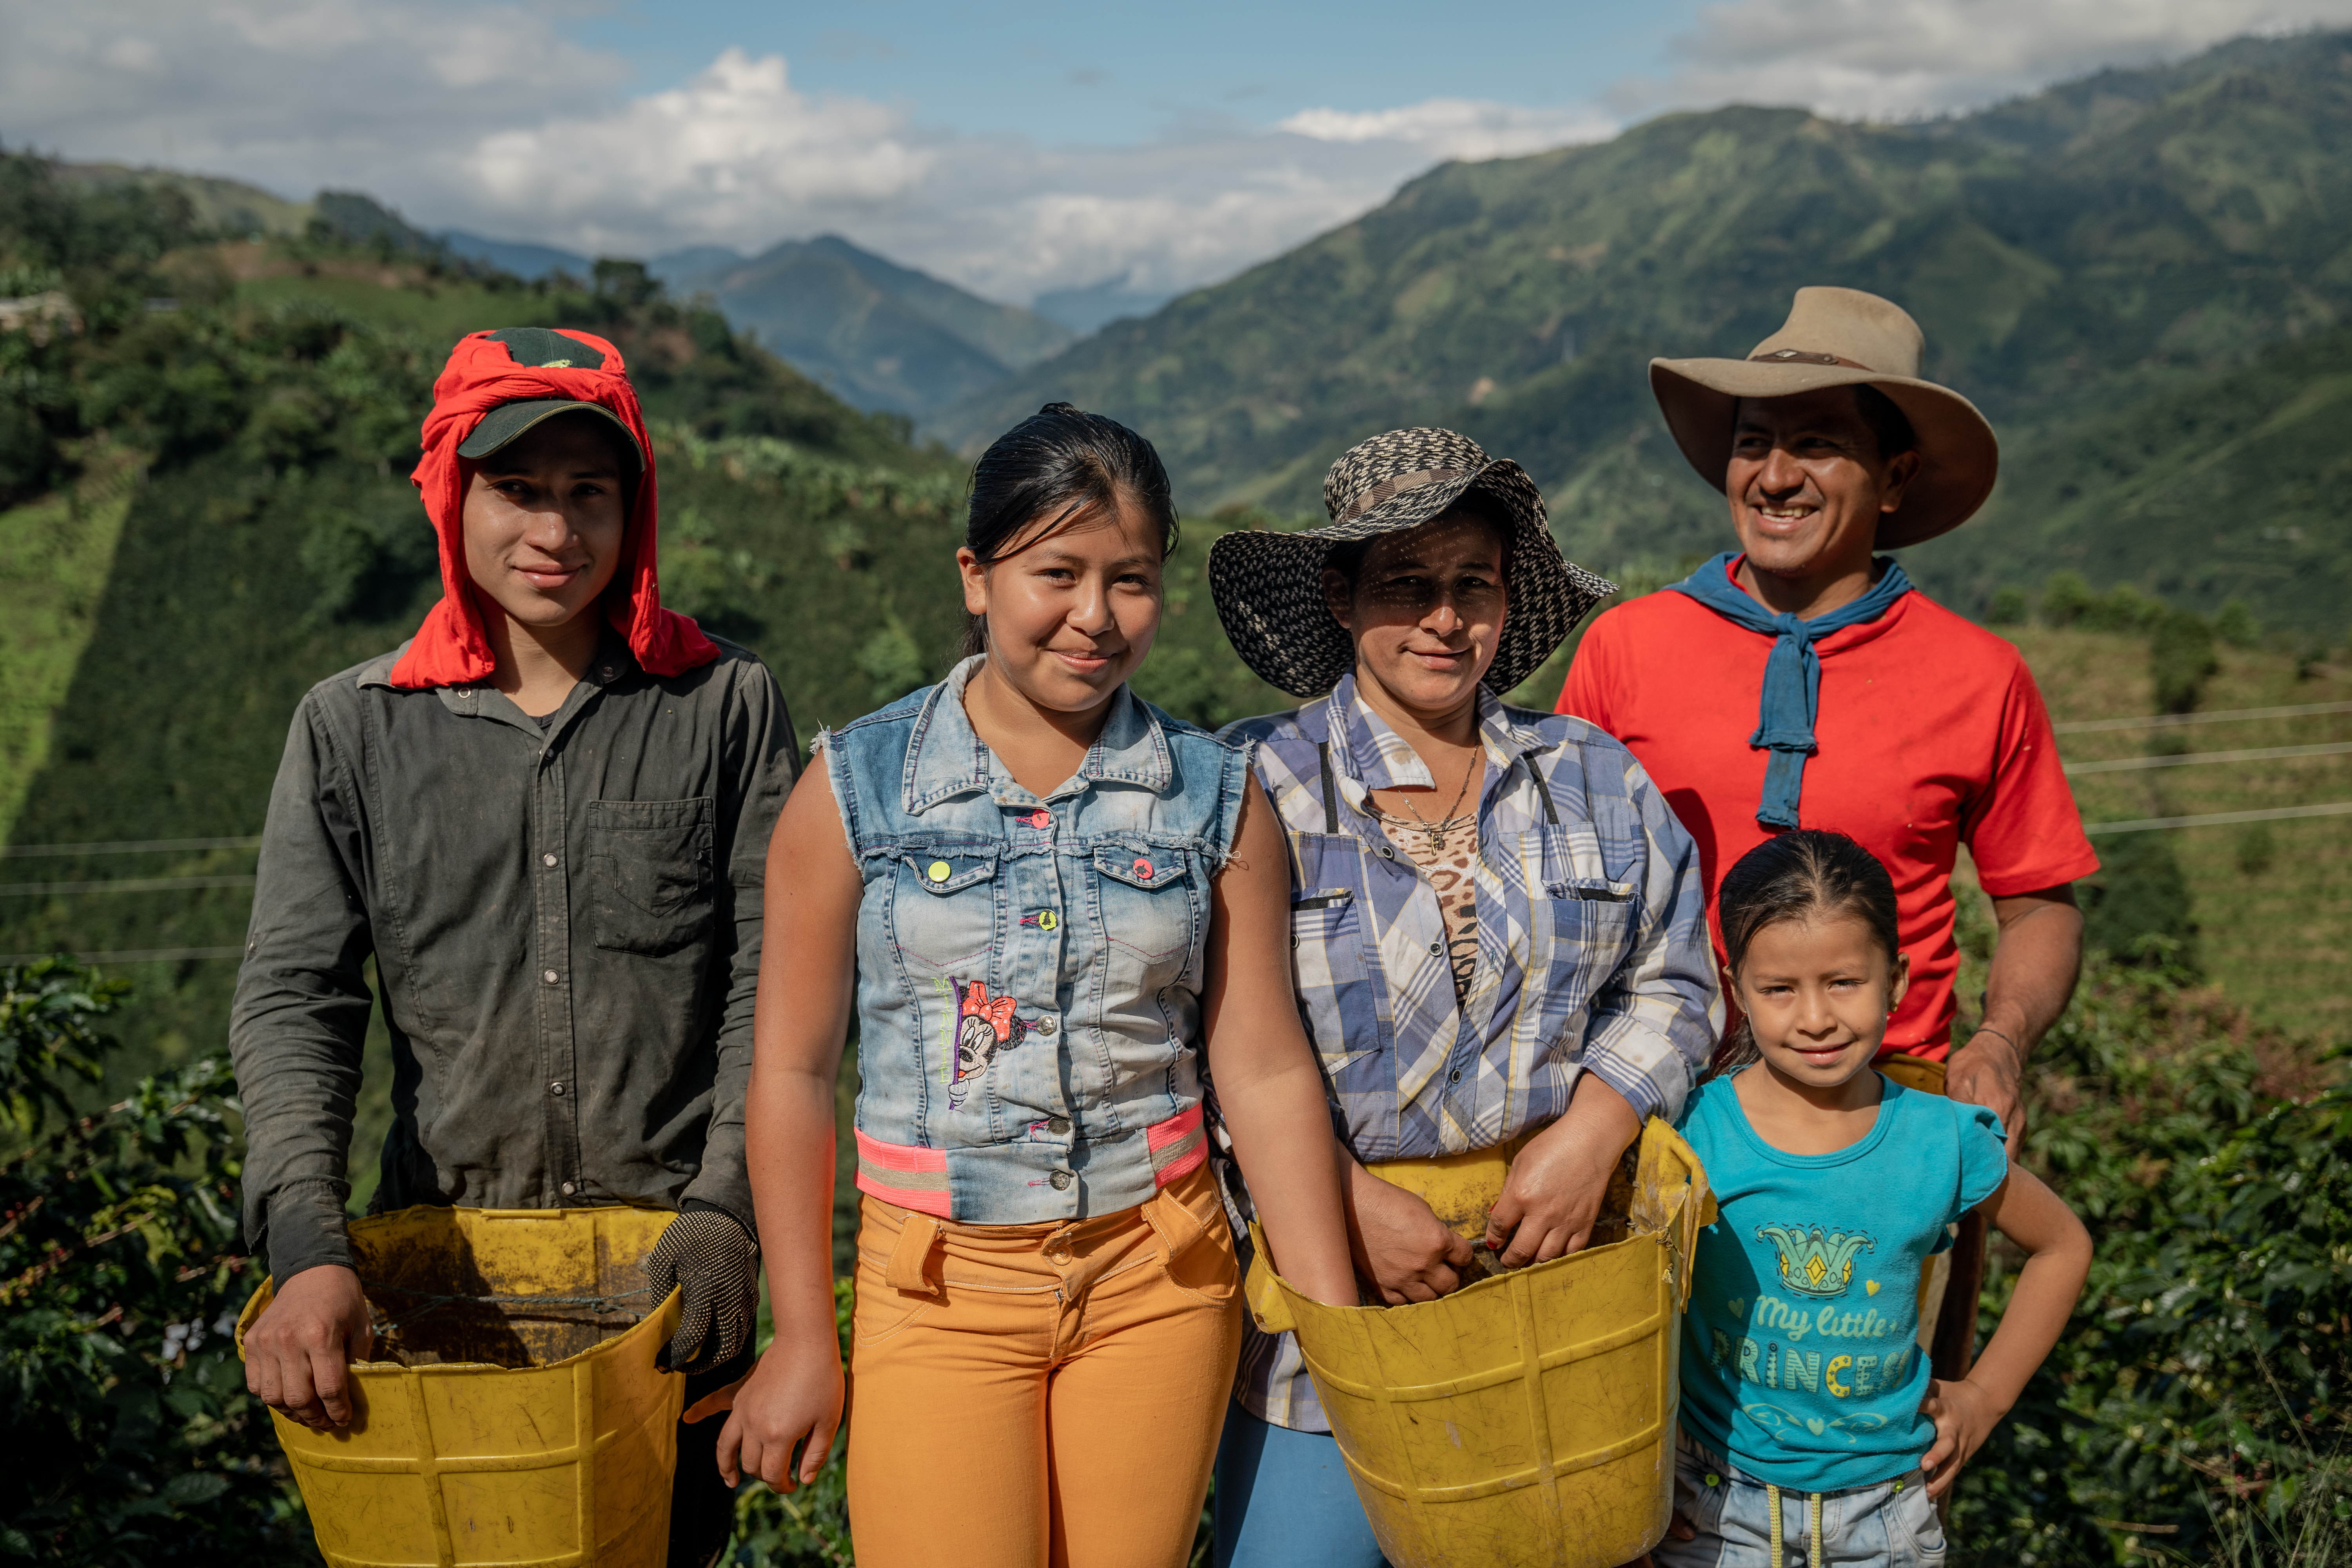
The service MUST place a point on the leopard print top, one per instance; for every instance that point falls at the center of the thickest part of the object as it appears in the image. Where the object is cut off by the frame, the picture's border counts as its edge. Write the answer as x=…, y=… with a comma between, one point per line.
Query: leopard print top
x=1450, y=865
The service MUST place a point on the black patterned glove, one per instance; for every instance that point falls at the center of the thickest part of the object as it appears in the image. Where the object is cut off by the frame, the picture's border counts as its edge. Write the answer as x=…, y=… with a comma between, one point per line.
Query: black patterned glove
x=707, y=1252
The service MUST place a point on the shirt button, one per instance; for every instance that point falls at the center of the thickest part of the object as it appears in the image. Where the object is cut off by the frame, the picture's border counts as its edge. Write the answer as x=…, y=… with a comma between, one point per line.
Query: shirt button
x=1058, y=1125
x=550, y=976
x=1437, y=947
x=1061, y=1180
x=555, y=1089
x=1046, y=1027
x=1453, y=1077
x=568, y=1188
x=546, y=859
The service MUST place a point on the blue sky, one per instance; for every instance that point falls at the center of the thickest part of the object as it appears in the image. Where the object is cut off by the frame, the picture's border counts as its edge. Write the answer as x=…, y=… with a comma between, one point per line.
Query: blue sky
x=1064, y=71
x=1010, y=149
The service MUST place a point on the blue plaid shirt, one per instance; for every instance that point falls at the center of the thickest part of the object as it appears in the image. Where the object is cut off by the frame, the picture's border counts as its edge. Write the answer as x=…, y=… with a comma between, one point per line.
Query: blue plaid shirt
x=1593, y=953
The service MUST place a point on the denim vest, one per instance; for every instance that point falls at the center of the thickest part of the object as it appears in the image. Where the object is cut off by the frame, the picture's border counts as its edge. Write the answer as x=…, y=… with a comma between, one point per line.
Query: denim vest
x=1029, y=971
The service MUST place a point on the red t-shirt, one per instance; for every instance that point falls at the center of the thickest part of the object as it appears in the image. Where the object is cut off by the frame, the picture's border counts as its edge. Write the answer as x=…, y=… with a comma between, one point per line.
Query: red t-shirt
x=1931, y=734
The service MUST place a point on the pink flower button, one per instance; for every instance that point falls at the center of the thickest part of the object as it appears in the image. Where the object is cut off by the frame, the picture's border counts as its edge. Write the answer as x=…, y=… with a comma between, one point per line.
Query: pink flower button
x=1143, y=870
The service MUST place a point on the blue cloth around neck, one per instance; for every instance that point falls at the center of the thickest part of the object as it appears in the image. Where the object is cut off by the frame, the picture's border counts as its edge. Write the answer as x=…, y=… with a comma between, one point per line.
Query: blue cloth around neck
x=1792, y=675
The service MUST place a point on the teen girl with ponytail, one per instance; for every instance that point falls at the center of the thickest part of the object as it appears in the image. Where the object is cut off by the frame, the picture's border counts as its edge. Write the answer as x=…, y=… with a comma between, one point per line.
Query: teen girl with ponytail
x=1048, y=906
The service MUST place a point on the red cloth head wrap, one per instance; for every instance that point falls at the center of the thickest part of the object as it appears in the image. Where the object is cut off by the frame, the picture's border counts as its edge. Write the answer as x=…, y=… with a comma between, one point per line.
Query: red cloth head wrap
x=451, y=649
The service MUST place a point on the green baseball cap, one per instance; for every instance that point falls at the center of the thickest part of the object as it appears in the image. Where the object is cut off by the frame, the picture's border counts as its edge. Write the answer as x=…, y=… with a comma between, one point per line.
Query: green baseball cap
x=541, y=348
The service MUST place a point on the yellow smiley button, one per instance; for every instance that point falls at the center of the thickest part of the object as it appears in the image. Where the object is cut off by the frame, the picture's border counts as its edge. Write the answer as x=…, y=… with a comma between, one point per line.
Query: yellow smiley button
x=941, y=871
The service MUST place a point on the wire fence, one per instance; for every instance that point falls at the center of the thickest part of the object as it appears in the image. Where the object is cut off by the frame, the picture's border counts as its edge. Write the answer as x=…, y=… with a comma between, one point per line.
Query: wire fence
x=2194, y=759
x=107, y=885
x=129, y=847
x=2219, y=716
x=121, y=885
x=2221, y=819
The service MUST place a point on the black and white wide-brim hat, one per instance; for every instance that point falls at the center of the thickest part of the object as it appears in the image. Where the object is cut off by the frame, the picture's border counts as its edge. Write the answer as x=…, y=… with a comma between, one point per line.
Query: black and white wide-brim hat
x=1269, y=586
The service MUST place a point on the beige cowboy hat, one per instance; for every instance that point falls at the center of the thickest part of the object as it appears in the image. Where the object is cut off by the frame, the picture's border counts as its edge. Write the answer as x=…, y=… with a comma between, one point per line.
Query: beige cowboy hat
x=1841, y=337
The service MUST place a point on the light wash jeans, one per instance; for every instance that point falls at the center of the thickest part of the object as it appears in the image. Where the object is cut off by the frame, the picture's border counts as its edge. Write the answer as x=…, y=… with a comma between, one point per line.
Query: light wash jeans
x=1891, y=1524
x=1284, y=1501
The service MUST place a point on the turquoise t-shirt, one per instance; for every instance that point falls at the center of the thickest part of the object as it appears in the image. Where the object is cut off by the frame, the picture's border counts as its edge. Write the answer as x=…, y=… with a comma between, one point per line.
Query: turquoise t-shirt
x=1801, y=1360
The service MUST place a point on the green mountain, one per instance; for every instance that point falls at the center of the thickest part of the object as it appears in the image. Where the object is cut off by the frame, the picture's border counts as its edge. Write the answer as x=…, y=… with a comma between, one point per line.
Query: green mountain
x=878, y=334
x=2084, y=261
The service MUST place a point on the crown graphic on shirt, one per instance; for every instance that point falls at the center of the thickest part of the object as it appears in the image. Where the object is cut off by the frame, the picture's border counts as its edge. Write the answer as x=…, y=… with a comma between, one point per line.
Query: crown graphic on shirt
x=1814, y=1262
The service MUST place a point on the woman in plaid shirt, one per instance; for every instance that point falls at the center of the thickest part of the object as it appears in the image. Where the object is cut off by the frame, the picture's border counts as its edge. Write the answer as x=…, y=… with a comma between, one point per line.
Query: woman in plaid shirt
x=1498, y=926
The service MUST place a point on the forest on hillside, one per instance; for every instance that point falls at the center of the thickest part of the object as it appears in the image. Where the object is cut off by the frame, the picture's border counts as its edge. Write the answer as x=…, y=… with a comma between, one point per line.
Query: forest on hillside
x=2144, y=277
x=203, y=454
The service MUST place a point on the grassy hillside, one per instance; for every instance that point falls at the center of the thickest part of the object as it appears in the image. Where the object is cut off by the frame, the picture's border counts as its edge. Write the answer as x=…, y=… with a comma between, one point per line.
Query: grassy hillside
x=2072, y=256
x=2267, y=905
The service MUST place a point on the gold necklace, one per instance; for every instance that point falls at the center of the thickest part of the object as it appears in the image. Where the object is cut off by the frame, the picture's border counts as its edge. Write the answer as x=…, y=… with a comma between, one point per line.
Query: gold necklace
x=1437, y=830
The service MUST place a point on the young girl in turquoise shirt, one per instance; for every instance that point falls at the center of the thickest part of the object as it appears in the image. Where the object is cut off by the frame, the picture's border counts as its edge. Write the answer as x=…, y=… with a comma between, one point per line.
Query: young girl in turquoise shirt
x=1810, y=1421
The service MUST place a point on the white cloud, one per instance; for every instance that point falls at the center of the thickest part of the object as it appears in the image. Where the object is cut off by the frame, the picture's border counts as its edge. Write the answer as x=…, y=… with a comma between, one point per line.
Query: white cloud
x=482, y=116
x=729, y=155
x=1912, y=58
x=1456, y=127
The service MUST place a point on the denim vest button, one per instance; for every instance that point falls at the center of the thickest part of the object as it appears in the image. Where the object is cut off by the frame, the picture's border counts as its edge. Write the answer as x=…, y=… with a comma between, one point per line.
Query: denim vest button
x=1057, y=1125
x=1046, y=1027
x=1061, y=1180
x=941, y=871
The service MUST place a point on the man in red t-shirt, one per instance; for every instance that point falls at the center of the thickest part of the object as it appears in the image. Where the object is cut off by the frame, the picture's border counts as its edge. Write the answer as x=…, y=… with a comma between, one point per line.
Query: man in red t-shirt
x=1802, y=681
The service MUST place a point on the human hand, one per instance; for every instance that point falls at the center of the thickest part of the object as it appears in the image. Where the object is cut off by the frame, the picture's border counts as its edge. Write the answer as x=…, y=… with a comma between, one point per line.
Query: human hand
x=1989, y=1072
x=1399, y=1243
x=796, y=1392
x=1552, y=1196
x=1965, y=1412
x=711, y=1258
x=299, y=1352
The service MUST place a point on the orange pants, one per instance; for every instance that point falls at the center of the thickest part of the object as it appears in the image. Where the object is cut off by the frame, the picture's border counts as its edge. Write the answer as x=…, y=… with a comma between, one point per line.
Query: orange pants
x=1025, y=1395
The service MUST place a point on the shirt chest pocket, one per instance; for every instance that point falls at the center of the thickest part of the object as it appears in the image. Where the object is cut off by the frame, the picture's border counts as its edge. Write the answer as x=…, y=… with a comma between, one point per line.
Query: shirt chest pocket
x=1592, y=914
x=1145, y=897
x=944, y=914
x=649, y=866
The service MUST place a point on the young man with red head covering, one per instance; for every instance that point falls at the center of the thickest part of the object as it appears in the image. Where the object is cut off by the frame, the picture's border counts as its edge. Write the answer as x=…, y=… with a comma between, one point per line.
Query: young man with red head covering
x=546, y=818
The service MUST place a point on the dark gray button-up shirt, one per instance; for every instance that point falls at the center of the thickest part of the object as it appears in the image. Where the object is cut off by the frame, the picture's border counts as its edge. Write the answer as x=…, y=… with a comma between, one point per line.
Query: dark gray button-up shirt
x=566, y=927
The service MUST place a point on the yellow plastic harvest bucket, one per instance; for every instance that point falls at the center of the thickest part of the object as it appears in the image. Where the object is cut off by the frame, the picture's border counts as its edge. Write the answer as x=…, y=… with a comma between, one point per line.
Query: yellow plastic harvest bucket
x=520, y=1419
x=1529, y=1418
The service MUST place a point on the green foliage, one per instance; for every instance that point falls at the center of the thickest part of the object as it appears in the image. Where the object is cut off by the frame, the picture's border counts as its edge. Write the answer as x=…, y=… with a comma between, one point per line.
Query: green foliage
x=2235, y=624
x=2201, y=1387
x=130, y=1436
x=2181, y=659
x=2137, y=905
x=2068, y=601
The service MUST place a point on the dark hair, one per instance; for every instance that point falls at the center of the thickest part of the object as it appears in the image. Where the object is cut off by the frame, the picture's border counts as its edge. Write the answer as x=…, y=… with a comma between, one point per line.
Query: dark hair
x=1802, y=874
x=1058, y=464
x=1886, y=421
